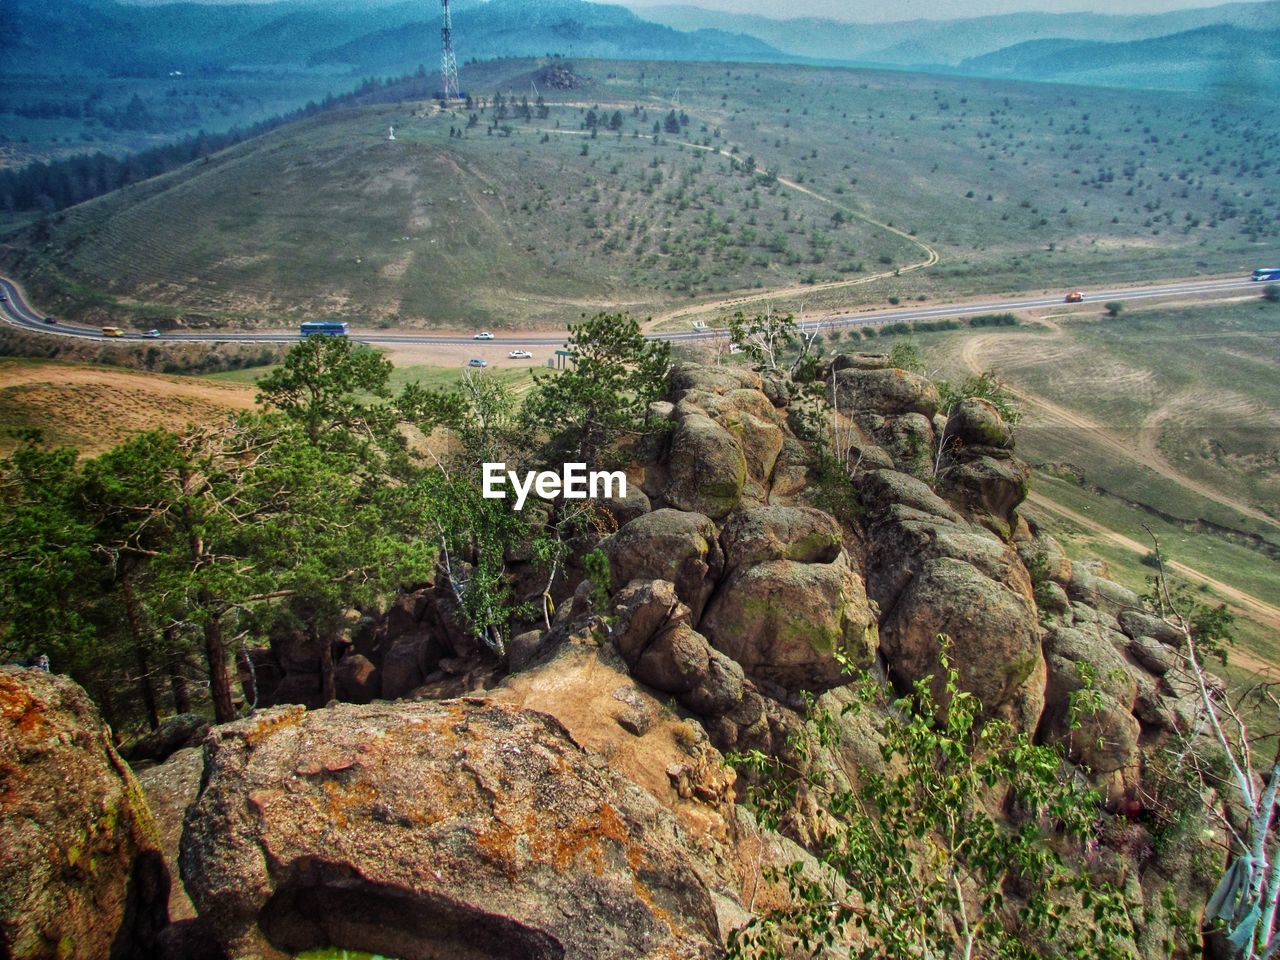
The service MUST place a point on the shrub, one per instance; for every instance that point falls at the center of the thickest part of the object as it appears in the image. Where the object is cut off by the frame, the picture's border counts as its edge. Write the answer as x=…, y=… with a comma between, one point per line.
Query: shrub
x=916, y=862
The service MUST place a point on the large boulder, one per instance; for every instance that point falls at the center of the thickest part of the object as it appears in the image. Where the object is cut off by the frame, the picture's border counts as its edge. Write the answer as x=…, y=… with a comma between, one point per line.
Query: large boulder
x=752, y=419
x=711, y=379
x=977, y=421
x=995, y=643
x=668, y=545
x=886, y=493
x=987, y=489
x=357, y=679
x=887, y=392
x=1102, y=594
x=170, y=788
x=792, y=623
x=82, y=873
x=458, y=828
x=803, y=534
x=174, y=733
x=706, y=468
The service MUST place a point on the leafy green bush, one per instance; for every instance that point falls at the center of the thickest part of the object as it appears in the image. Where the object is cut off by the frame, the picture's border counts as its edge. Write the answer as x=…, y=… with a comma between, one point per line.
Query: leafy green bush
x=984, y=386
x=913, y=861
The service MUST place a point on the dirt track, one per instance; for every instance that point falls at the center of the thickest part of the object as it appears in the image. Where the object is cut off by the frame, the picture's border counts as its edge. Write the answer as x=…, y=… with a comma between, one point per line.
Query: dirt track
x=973, y=354
x=1245, y=603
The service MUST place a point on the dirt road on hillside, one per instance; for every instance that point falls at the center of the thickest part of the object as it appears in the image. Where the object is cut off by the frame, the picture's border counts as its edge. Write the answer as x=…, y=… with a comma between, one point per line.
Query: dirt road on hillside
x=974, y=352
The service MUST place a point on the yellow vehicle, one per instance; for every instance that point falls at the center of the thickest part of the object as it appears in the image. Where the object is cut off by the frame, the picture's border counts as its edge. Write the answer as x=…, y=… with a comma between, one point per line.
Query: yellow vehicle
x=112, y=332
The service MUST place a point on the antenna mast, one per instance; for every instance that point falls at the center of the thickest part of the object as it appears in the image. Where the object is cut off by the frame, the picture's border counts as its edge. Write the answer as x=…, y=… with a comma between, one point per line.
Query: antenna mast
x=448, y=65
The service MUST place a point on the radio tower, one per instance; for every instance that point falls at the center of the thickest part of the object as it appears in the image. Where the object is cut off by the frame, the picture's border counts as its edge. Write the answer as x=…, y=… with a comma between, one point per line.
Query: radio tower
x=448, y=65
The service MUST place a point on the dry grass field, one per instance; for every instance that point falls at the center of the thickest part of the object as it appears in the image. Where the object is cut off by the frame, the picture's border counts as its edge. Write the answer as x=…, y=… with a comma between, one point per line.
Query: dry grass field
x=92, y=408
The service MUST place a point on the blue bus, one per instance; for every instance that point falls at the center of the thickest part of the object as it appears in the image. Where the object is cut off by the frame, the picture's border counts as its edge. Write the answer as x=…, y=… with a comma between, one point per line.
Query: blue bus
x=324, y=328
x=1266, y=273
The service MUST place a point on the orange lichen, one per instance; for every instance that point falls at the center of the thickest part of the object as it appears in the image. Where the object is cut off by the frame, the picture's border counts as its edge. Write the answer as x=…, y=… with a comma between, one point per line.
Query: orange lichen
x=341, y=799
x=584, y=838
x=21, y=709
x=265, y=728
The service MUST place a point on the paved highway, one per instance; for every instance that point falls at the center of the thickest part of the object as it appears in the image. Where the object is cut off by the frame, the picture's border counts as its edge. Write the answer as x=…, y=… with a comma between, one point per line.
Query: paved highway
x=17, y=312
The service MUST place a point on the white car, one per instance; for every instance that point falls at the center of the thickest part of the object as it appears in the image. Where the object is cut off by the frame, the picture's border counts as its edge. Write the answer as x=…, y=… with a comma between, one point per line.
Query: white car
x=520, y=355
x=483, y=335
x=477, y=362
x=152, y=334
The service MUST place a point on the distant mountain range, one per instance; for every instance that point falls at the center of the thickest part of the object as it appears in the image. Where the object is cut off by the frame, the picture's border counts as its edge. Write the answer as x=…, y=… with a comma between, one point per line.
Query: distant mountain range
x=101, y=36
x=917, y=43
x=1221, y=58
x=1233, y=46
x=520, y=28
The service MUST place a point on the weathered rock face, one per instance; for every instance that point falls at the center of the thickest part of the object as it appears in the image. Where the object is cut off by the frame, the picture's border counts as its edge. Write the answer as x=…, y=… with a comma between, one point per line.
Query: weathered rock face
x=726, y=440
x=978, y=422
x=707, y=468
x=668, y=545
x=935, y=573
x=457, y=828
x=82, y=873
x=786, y=621
x=885, y=391
x=170, y=788
x=993, y=631
x=802, y=534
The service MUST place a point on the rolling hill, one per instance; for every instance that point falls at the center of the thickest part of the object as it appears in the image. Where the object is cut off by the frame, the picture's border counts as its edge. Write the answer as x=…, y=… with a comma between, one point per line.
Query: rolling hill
x=948, y=42
x=817, y=188
x=1223, y=58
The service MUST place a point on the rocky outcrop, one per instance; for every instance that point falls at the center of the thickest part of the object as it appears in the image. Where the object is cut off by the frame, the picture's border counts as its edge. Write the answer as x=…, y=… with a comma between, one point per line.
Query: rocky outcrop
x=460, y=828
x=794, y=624
x=668, y=545
x=82, y=873
x=726, y=438
x=884, y=392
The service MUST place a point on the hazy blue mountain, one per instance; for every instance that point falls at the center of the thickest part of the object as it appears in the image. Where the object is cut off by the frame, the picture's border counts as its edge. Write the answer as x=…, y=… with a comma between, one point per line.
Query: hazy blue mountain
x=104, y=37
x=1225, y=58
x=948, y=42
x=513, y=28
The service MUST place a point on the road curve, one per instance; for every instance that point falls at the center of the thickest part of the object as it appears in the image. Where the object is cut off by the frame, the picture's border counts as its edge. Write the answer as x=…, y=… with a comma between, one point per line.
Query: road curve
x=16, y=311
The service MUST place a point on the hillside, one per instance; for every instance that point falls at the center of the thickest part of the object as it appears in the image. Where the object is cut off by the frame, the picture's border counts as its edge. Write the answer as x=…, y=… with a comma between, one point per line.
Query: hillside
x=515, y=28
x=1227, y=59
x=515, y=221
x=92, y=408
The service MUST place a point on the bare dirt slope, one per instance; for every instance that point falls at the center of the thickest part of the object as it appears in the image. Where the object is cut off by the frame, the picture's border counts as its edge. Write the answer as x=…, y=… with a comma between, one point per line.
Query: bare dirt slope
x=92, y=408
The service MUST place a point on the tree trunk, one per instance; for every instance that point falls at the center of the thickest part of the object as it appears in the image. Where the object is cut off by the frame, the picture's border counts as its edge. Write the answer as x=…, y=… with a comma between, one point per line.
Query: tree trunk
x=145, y=687
x=224, y=710
x=140, y=652
x=178, y=683
x=328, y=686
x=248, y=678
x=174, y=662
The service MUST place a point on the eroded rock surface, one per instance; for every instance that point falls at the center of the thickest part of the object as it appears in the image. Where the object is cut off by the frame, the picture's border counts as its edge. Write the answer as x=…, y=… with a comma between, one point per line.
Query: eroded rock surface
x=82, y=872
x=457, y=828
